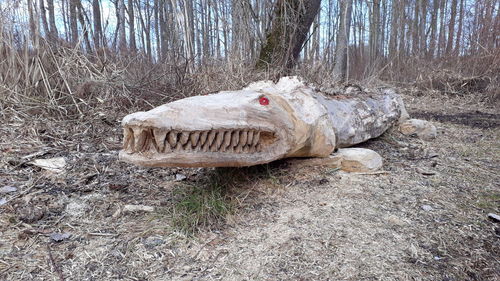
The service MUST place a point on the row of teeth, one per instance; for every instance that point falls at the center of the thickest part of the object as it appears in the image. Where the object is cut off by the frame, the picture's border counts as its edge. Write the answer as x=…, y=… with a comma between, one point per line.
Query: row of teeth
x=138, y=139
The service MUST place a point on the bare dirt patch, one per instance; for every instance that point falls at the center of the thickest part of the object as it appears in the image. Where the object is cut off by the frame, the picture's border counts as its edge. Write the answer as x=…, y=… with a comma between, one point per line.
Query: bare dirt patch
x=282, y=222
x=476, y=119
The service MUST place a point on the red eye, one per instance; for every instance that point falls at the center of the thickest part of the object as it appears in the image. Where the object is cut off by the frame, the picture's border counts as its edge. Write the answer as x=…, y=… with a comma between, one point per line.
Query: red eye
x=263, y=101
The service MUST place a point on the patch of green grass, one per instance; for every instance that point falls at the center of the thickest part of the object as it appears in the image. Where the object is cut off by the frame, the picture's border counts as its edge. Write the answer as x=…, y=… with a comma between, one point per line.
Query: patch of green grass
x=206, y=202
x=203, y=204
x=489, y=202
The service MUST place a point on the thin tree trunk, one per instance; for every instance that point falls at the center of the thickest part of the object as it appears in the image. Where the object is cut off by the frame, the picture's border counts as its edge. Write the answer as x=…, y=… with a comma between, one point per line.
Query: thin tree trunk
x=85, y=29
x=131, y=26
x=451, y=26
x=374, y=31
x=96, y=10
x=415, y=27
x=460, y=27
x=423, y=24
x=52, y=21
x=73, y=21
x=33, y=24
x=434, y=30
x=342, y=46
x=394, y=28
x=43, y=16
x=441, y=42
x=122, y=39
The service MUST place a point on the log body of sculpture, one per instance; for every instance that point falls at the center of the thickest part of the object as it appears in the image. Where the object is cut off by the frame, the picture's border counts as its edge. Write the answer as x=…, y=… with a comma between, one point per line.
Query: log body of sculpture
x=259, y=124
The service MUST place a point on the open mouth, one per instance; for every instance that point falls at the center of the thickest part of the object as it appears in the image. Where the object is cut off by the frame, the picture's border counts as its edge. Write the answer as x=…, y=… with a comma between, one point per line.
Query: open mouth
x=138, y=139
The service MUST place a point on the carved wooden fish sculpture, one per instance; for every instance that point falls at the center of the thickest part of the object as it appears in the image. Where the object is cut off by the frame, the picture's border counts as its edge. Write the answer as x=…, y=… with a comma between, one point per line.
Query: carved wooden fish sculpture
x=263, y=122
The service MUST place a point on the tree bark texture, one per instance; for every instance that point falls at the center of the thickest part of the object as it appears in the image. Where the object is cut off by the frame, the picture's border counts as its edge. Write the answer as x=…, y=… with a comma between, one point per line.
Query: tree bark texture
x=342, y=47
x=290, y=25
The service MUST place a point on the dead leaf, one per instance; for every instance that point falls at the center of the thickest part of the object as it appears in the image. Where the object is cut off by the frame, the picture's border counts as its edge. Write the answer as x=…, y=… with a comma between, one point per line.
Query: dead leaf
x=137, y=208
x=8, y=189
x=425, y=172
x=54, y=164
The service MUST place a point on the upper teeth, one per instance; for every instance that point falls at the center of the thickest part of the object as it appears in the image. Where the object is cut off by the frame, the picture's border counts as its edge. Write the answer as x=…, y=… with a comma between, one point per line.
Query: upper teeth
x=139, y=139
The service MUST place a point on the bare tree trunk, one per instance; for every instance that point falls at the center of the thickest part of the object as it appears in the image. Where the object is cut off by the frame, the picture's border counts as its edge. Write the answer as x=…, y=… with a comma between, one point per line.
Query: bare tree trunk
x=159, y=31
x=146, y=27
x=131, y=26
x=64, y=9
x=122, y=39
x=434, y=30
x=423, y=23
x=374, y=31
x=451, y=26
x=43, y=16
x=342, y=46
x=441, y=42
x=394, y=28
x=291, y=22
x=402, y=26
x=73, y=21
x=33, y=23
x=52, y=21
x=96, y=10
x=460, y=27
x=415, y=27
x=85, y=29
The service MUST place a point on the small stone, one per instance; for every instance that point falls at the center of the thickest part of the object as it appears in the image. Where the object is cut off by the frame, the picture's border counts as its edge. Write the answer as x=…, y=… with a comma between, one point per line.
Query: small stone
x=58, y=237
x=8, y=189
x=359, y=160
x=423, y=129
x=180, y=177
x=2, y=201
x=427, y=208
x=152, y=242
x=394, y=220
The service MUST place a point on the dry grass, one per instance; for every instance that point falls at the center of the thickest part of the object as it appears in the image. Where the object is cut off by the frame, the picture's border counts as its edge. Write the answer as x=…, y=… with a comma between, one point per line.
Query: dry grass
x=261, y=223
x=266, y=222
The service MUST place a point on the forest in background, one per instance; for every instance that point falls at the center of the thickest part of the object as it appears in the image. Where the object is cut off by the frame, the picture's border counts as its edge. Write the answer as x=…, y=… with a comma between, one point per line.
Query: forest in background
x=63, y=55
x=71, y=70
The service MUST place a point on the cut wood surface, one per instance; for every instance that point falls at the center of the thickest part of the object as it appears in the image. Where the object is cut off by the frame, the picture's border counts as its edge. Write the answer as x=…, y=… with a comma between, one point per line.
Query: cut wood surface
x=261, y=123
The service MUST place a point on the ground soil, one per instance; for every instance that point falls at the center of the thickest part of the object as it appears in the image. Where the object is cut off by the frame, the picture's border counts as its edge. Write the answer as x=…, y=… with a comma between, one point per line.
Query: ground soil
x=425, y=218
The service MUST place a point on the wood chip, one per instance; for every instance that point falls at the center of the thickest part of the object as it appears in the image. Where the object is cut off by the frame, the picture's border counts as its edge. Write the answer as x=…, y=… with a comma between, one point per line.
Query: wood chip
x=494, y=217
x=137, y=208
x=425, y=172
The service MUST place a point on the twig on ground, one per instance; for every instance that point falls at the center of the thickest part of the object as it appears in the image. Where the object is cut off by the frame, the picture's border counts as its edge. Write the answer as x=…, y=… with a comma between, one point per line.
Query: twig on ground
x=54, y=264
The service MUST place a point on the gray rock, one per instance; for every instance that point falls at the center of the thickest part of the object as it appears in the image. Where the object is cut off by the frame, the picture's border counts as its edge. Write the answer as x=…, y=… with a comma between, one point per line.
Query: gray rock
x=152, y=242
x=427, y=208
x=423, y=129
x=356, y=159
x=58, y=237
x=180, y=177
